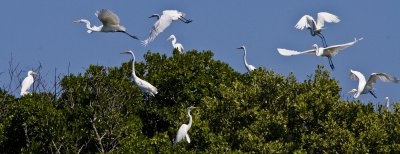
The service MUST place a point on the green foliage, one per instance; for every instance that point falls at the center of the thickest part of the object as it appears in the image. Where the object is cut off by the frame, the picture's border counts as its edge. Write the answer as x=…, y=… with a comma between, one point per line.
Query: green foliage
x=102, y=110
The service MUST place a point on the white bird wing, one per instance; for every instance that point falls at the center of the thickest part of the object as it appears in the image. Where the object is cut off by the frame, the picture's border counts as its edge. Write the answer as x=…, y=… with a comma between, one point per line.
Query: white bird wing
x=181, y=133
x=180, y=47
x=328, y=17
x=146, y=86
x=361, y=79
x=305, y=22
x=286, y=52
x=26, y=83
x=187, y=138
x=334, y=49
x=107, y=17
x=174, y=14
x=160, y=25
x=382, y=76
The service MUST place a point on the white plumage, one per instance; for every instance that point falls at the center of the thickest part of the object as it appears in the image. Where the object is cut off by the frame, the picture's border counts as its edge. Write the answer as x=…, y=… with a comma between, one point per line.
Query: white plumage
x=26, y=83
x=110, y=23
x=145, y=86
x=163, y=22
x=316, y=27
x=175, y=44
x=250, y=68
x=328, y=52
x=365, y=86
x=387, y=103
x=183, y=130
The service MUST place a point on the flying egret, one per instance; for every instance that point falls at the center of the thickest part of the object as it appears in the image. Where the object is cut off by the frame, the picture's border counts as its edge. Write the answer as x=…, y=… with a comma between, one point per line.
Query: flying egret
x=316, y=27
x=176, y=45
x=250, y=68
x=110, y=23
x=365, y=86
x=145, y=86
x=27, y=82
x=163, y=22
x=183, y=130
x=320, y=51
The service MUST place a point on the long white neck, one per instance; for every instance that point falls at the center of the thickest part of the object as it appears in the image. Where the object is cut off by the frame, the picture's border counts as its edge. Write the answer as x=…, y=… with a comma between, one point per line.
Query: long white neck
x=317, y=51
x=244, y=57
x=133, y=66
x=387, y=103
x=88, y=26
x=173, y=41
x=190, y=119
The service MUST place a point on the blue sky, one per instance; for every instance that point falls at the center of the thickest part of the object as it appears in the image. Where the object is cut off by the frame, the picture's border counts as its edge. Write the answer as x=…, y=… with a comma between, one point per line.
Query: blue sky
x=42, y=32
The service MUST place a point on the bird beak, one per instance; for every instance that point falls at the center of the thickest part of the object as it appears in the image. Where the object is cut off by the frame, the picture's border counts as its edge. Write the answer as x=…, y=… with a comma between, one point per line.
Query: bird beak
x=125, y=52
x=34, y=73
x=76, y=21
x=239, y=48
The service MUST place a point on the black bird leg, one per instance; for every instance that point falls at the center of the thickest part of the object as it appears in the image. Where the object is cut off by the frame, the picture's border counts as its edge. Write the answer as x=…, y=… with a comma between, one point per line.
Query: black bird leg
x=311, y=31
x=183, y=19
x=331, y=63
x=323, y=40
x=135, y=37
x=373, y=94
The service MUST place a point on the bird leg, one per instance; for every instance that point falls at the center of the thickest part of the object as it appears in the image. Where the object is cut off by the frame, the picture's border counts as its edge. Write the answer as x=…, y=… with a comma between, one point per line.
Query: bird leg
x=311, y=31
x=373, y=94
x=183, y=19
x=323, y=40
x=135, y=37
x=331, y=63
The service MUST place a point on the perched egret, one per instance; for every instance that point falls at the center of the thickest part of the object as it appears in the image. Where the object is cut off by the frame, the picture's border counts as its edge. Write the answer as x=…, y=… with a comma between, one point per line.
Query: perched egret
x=183, y=130
x=145, y=86
x=316, y=27
x=176, y=45
x=27, y=82
x=250, y=68
x=387, y=103
x=163, y=22
x=110, y=23
x=365, y=86
x=320, y=51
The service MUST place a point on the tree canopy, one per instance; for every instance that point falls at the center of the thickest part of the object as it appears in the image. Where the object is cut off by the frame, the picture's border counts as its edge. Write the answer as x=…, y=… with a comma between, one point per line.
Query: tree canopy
x=102, y=110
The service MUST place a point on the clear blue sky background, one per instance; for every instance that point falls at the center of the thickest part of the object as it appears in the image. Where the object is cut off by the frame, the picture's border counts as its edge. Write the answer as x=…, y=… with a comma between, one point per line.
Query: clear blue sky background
x=42, y=31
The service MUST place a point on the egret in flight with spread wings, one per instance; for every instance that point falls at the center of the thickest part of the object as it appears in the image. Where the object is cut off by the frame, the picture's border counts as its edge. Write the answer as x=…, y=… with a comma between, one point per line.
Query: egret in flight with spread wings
x=250, y=68
x=176, y=45
x=27, y=82
x=145, y=86
x=110, y=23
x=365, y=86
x=163, y=22
x=316, y=27
x=183, y=130
x=320, y=51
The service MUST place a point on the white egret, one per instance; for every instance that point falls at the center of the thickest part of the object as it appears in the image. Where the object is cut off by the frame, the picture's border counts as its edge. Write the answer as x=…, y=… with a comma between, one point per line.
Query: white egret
x=27, y=82
x=145, y=86
x=316, y=27
x=163, y=22
x=183, y=130
x=387, y=103
x=110, y=23
x=250, y=68
x=176, y=45
x=320, y=51
x=365, y=86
